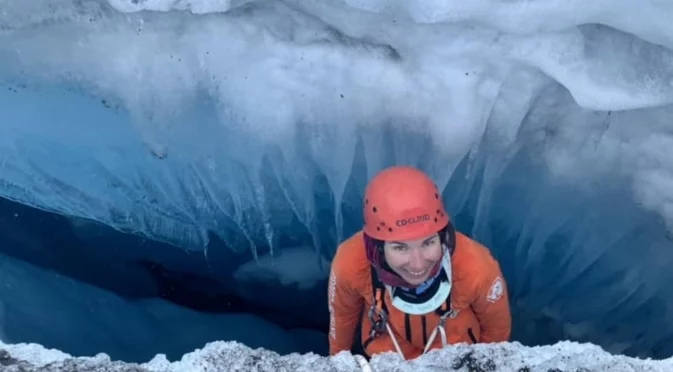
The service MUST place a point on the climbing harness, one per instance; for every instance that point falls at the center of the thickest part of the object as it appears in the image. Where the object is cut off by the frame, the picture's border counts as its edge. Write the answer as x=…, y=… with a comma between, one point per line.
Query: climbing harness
x=441, y=330
x=440, y=302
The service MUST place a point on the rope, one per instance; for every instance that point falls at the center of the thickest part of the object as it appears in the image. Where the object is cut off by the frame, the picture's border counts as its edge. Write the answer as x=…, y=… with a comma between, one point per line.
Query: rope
x=441, y=330
x=362, y=362
x=397, y=345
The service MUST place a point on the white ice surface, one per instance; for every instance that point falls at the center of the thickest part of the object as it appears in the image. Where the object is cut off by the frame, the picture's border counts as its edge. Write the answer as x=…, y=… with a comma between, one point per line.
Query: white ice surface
x=283, y=268
x=198, y=99
x=231, y=356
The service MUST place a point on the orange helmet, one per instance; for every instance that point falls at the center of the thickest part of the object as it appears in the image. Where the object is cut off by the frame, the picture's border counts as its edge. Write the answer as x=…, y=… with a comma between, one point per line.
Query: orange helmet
x=403, y=203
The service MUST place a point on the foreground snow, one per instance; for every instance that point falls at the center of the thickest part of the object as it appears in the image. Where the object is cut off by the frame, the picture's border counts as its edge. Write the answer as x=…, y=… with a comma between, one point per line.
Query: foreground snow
x=231, y=356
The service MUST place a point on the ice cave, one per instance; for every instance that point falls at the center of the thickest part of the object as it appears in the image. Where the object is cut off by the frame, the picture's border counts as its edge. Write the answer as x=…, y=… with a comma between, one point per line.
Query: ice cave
x=180, y=172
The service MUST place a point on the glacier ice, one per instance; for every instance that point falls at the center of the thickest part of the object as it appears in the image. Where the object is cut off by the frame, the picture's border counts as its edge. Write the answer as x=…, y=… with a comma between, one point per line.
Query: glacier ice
x=232, y=356
x=333, y=76
x=257, y=123
x=45, y=307
x=282, y=268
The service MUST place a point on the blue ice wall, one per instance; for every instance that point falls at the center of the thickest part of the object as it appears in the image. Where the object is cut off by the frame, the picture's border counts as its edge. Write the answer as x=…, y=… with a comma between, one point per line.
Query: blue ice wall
x=243, y=132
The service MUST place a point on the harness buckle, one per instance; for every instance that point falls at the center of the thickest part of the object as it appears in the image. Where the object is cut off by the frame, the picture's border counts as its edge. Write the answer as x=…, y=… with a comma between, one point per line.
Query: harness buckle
x=446, y=315
x=378, y=320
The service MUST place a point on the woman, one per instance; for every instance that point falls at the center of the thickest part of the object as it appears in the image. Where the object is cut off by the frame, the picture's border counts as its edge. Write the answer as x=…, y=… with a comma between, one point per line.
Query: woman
x=414, y=282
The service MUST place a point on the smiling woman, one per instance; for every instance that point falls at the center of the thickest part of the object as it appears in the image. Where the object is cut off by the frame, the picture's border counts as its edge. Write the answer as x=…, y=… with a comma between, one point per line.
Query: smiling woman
x=437, y=279
x=405, y=198
x=414, y=259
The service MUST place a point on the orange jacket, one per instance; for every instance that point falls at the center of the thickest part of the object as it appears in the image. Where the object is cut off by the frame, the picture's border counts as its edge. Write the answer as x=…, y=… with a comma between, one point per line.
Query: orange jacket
x=478, y=296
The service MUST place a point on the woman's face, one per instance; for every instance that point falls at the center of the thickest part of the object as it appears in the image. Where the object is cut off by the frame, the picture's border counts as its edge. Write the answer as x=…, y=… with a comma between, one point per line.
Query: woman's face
x=413, y=260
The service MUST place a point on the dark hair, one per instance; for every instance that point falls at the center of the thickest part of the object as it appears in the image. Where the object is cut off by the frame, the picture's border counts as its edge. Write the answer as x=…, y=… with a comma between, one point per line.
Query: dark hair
x=447, y=237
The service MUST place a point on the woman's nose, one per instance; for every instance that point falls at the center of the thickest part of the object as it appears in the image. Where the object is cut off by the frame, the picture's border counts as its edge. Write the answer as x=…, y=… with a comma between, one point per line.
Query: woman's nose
x=416, y=260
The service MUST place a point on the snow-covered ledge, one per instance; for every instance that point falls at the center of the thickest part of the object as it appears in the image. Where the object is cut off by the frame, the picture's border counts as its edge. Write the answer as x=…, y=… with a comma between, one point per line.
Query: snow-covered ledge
x=231, y=356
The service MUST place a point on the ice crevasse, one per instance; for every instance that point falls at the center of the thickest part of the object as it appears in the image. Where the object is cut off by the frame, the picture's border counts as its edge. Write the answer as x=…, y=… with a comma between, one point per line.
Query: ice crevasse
x=256, y=124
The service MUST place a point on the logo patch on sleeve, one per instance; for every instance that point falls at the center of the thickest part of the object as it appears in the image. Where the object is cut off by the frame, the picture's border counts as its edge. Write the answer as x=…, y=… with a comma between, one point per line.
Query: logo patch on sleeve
x=496, y=291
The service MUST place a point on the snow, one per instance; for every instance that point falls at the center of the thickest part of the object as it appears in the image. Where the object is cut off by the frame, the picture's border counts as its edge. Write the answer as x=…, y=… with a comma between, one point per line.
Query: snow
x=240, y=131
x=283, y=268
x=332, y=74
x=232, y=356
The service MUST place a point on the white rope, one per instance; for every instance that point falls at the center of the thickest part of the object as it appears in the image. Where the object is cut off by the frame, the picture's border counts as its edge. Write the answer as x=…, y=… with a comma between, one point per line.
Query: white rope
x=439, y=328
x=362, y=362
x=397, y=345
x=366, y=367
x=432, y=338
x=442, y=331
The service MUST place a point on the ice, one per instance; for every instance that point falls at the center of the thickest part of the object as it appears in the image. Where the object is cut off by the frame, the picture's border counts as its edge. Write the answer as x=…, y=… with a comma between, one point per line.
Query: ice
x=256, y=125
x=231, y=356
x=292, y=280
x=41, y=306
x=328, y=73
x=198, y=6
x=283, y=268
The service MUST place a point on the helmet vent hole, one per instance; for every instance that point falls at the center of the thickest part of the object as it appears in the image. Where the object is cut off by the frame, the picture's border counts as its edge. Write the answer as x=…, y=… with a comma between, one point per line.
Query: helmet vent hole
x=374, y=209
x=390, y=229
x=435, y=219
